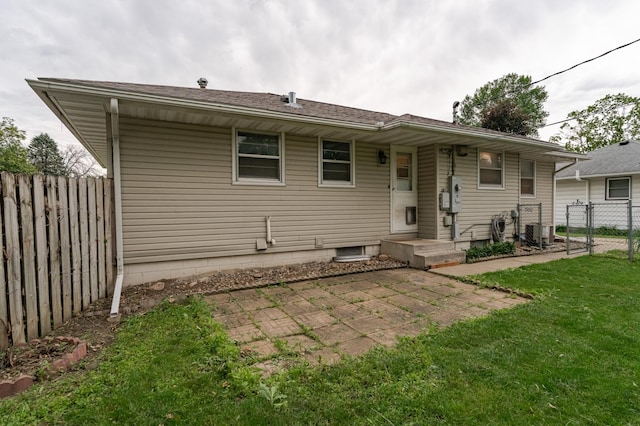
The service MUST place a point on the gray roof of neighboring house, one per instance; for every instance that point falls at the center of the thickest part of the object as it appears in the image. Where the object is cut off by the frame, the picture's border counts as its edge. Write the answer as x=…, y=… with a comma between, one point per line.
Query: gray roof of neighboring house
x=615, y=159
x=274, y=102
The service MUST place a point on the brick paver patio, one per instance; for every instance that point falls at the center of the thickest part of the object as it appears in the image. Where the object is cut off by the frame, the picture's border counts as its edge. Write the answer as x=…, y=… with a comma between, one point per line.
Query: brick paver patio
x=326, y=319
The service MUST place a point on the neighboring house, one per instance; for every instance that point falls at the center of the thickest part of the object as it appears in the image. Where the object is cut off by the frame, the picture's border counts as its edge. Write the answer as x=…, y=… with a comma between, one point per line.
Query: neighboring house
x=611, y=176
x=210, y=179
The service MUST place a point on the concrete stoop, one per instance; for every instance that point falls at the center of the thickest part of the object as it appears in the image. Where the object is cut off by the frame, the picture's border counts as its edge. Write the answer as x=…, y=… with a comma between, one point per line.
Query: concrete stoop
x=423, y=254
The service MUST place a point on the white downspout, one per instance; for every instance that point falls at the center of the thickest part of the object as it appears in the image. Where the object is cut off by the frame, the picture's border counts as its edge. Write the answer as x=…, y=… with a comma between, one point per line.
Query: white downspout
x=117, y=194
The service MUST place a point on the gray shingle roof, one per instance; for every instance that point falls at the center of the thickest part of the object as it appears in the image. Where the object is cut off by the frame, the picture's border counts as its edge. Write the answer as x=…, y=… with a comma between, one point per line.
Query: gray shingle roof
x=613, y=159
x=273, y=102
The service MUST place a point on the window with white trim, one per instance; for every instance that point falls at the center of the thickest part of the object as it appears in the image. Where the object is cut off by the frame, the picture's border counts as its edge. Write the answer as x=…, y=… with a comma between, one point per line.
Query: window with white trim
x=258, y=157
x=618, y=188
x=336, y=163
x=490, y=169
x=527, y=178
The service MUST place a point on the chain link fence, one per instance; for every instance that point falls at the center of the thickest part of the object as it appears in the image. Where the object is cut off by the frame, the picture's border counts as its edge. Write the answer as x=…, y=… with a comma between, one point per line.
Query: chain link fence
x=577, y=227
x=602, y=228
x=531, y=230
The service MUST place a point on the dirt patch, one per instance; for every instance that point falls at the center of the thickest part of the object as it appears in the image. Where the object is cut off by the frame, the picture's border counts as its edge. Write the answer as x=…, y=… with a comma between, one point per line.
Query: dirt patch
x=93, y=326
x=35, y=356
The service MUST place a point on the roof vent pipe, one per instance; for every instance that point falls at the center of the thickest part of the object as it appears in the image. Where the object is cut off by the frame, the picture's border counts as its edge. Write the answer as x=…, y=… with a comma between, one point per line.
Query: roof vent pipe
x=202, y=82
x=292, y=97
x=456, y=104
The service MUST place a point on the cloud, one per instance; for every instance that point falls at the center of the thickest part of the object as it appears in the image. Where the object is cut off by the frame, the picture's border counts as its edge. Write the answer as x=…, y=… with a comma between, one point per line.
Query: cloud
x=395, y=56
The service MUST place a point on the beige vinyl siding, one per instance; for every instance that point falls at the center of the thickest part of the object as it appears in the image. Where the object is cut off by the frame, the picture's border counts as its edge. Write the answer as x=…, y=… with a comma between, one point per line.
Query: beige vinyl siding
x=427, y=192
x=567, y=192
x=543, y=189
x=179, y=201
x=479, y=205
x=598, y=189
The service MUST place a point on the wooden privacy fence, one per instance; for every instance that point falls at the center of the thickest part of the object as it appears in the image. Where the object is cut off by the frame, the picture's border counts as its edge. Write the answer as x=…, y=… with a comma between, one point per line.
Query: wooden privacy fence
x=57, y=251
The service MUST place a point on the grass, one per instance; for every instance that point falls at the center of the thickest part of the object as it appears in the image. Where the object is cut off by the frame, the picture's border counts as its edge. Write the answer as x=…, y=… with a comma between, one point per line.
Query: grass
x=572, y=356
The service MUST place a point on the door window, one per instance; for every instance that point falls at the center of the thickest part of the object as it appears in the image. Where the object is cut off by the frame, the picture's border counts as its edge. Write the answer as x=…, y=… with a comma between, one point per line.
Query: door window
x=404, y=174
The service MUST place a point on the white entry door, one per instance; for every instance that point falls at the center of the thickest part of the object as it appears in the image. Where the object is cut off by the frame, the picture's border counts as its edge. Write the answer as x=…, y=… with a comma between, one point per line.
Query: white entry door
x=404, y=189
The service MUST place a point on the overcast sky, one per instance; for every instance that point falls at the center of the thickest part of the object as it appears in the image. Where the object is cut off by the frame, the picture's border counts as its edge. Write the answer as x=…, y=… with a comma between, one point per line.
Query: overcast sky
x=402, y=56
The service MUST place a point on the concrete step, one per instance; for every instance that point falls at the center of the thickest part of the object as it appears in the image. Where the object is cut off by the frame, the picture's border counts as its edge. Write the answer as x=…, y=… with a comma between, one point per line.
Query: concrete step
x=404, y=249
x=427, y=260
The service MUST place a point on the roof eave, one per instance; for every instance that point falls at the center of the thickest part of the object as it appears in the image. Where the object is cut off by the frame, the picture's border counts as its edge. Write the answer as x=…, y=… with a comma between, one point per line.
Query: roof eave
x=58, y=111
x=44, y=86
x=470, y=132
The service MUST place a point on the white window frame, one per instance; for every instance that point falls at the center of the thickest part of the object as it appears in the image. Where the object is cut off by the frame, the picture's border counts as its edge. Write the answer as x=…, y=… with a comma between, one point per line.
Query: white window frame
x=337, y=183
x=606, y=194
x=235, y=168
x=502, y=175
x=534, y=179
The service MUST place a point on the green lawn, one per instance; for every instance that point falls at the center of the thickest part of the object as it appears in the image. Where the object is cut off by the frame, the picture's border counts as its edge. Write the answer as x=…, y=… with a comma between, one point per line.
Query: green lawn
x=570, y=357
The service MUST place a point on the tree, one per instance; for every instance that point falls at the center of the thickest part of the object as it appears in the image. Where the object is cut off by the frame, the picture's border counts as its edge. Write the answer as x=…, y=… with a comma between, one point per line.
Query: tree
x=45, y=156
x=507, y=101
x=13, y=156
x=506, y=116
x=609, y=120
x=80, y=163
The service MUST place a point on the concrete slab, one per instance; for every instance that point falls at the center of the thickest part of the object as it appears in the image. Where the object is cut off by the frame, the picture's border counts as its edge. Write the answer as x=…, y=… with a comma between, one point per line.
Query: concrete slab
x=279, y=327
x=367, y=324
x=315, y=319
x=357, y=346
x=233, y=320
x=269, y=314
x=245, y=333
x=254, y=304
x=332, y=334
x=301, y=343
x=350, y=315
x=261, y=348
x=324, y=356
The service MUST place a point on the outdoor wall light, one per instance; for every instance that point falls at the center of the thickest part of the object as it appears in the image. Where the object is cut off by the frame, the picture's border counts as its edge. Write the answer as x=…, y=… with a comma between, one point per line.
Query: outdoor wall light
x=381, y=157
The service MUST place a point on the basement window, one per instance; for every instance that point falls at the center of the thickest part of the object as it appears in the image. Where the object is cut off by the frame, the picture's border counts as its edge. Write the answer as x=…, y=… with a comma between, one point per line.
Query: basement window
x=351, y=254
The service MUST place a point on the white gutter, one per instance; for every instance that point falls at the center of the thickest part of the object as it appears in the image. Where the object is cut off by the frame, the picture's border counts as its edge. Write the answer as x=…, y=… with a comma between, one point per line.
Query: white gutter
x=117, y=193
x=600, y=175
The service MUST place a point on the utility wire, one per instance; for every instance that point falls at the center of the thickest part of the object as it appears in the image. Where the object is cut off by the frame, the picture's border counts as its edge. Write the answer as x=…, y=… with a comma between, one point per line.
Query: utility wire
x=584, y=62
x=562, y=72
x=557, y=122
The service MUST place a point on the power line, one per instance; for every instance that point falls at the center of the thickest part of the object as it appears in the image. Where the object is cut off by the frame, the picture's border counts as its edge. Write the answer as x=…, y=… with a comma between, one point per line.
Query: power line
x=584, y=62
x=562, y=72
x=557, y=122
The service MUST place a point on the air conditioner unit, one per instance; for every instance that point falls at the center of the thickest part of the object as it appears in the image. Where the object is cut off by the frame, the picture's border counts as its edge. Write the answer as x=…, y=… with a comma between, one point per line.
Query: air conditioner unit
x=535, y=231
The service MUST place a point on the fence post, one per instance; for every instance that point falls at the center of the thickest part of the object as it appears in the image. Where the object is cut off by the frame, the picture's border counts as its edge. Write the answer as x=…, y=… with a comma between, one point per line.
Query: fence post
x=630, y=228
x=519, y=222
x=590, y=243
x=540, y=225
x=4, y=305
x=568, y=237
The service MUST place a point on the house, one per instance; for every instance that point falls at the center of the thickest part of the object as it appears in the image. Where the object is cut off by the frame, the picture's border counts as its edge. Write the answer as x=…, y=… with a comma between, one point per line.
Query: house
x=210, y=179
x=610, y=176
